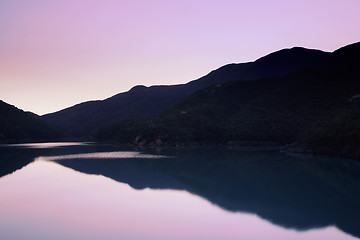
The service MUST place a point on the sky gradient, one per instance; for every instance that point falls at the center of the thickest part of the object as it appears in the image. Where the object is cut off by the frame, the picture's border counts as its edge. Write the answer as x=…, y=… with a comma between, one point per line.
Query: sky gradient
x=54, y=54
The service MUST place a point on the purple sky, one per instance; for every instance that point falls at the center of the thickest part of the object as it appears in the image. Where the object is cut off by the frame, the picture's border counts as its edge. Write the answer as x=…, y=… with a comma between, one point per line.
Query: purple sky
x=54, y=54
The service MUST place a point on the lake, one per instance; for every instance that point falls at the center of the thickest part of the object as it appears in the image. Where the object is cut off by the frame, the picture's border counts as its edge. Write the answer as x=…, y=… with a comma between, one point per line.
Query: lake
x=97, y=191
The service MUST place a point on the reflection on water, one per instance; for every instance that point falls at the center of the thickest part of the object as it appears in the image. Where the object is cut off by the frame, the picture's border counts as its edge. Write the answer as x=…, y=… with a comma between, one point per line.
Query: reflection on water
x=45, y=145
x=205, y=194
x=100, y=155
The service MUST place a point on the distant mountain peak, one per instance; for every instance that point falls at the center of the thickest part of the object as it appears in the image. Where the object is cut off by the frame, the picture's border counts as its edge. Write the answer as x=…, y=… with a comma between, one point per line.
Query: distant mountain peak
x=348, y=54
x=137, y=88
x=141, y=101
x=294, y=53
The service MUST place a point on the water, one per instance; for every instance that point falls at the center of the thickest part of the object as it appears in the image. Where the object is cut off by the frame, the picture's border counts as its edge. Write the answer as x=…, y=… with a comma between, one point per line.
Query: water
x=89, y=191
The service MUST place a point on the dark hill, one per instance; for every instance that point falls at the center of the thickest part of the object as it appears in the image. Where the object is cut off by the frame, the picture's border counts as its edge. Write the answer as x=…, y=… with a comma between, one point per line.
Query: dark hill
x=141, y=101
x=337, y=133
x=276, y=109
x=19, y=126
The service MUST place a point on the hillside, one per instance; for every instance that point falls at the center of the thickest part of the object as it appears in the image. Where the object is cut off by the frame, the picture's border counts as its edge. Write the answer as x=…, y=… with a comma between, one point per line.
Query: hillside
x=273, y=110
x=19, y=126
x=337, y=133
x=142, y=101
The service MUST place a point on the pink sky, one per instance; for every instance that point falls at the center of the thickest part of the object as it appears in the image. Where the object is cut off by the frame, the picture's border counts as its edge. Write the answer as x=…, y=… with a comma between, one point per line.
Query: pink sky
x=54, y=54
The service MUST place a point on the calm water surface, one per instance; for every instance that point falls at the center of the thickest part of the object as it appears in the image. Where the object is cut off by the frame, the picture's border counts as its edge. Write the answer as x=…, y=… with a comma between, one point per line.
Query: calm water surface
x=89, y=191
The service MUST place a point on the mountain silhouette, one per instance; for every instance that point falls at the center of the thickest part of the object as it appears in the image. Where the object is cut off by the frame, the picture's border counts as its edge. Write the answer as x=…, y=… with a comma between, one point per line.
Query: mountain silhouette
x=276, y=110
x=141, y=101
x=19, y=126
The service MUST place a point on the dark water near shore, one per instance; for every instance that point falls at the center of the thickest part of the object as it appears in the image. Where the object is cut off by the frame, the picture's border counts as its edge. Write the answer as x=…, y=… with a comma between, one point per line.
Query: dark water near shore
x=91, y=191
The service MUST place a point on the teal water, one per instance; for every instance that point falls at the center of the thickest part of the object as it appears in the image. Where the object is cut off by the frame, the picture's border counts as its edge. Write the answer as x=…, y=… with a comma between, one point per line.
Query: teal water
x=92, y=191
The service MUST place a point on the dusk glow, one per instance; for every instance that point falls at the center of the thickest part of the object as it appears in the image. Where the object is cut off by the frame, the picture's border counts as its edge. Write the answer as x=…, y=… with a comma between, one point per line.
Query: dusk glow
x=213, y=150
x=54, y=54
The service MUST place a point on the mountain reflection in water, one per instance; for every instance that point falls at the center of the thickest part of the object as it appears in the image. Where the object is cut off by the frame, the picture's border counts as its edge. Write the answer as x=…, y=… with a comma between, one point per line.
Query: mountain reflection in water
x=293, y=191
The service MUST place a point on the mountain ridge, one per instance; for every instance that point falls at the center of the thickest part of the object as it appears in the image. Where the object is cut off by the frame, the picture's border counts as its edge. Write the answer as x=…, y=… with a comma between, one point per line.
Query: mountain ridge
x=19, y=126
x=142, y=101
x=274, y=109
